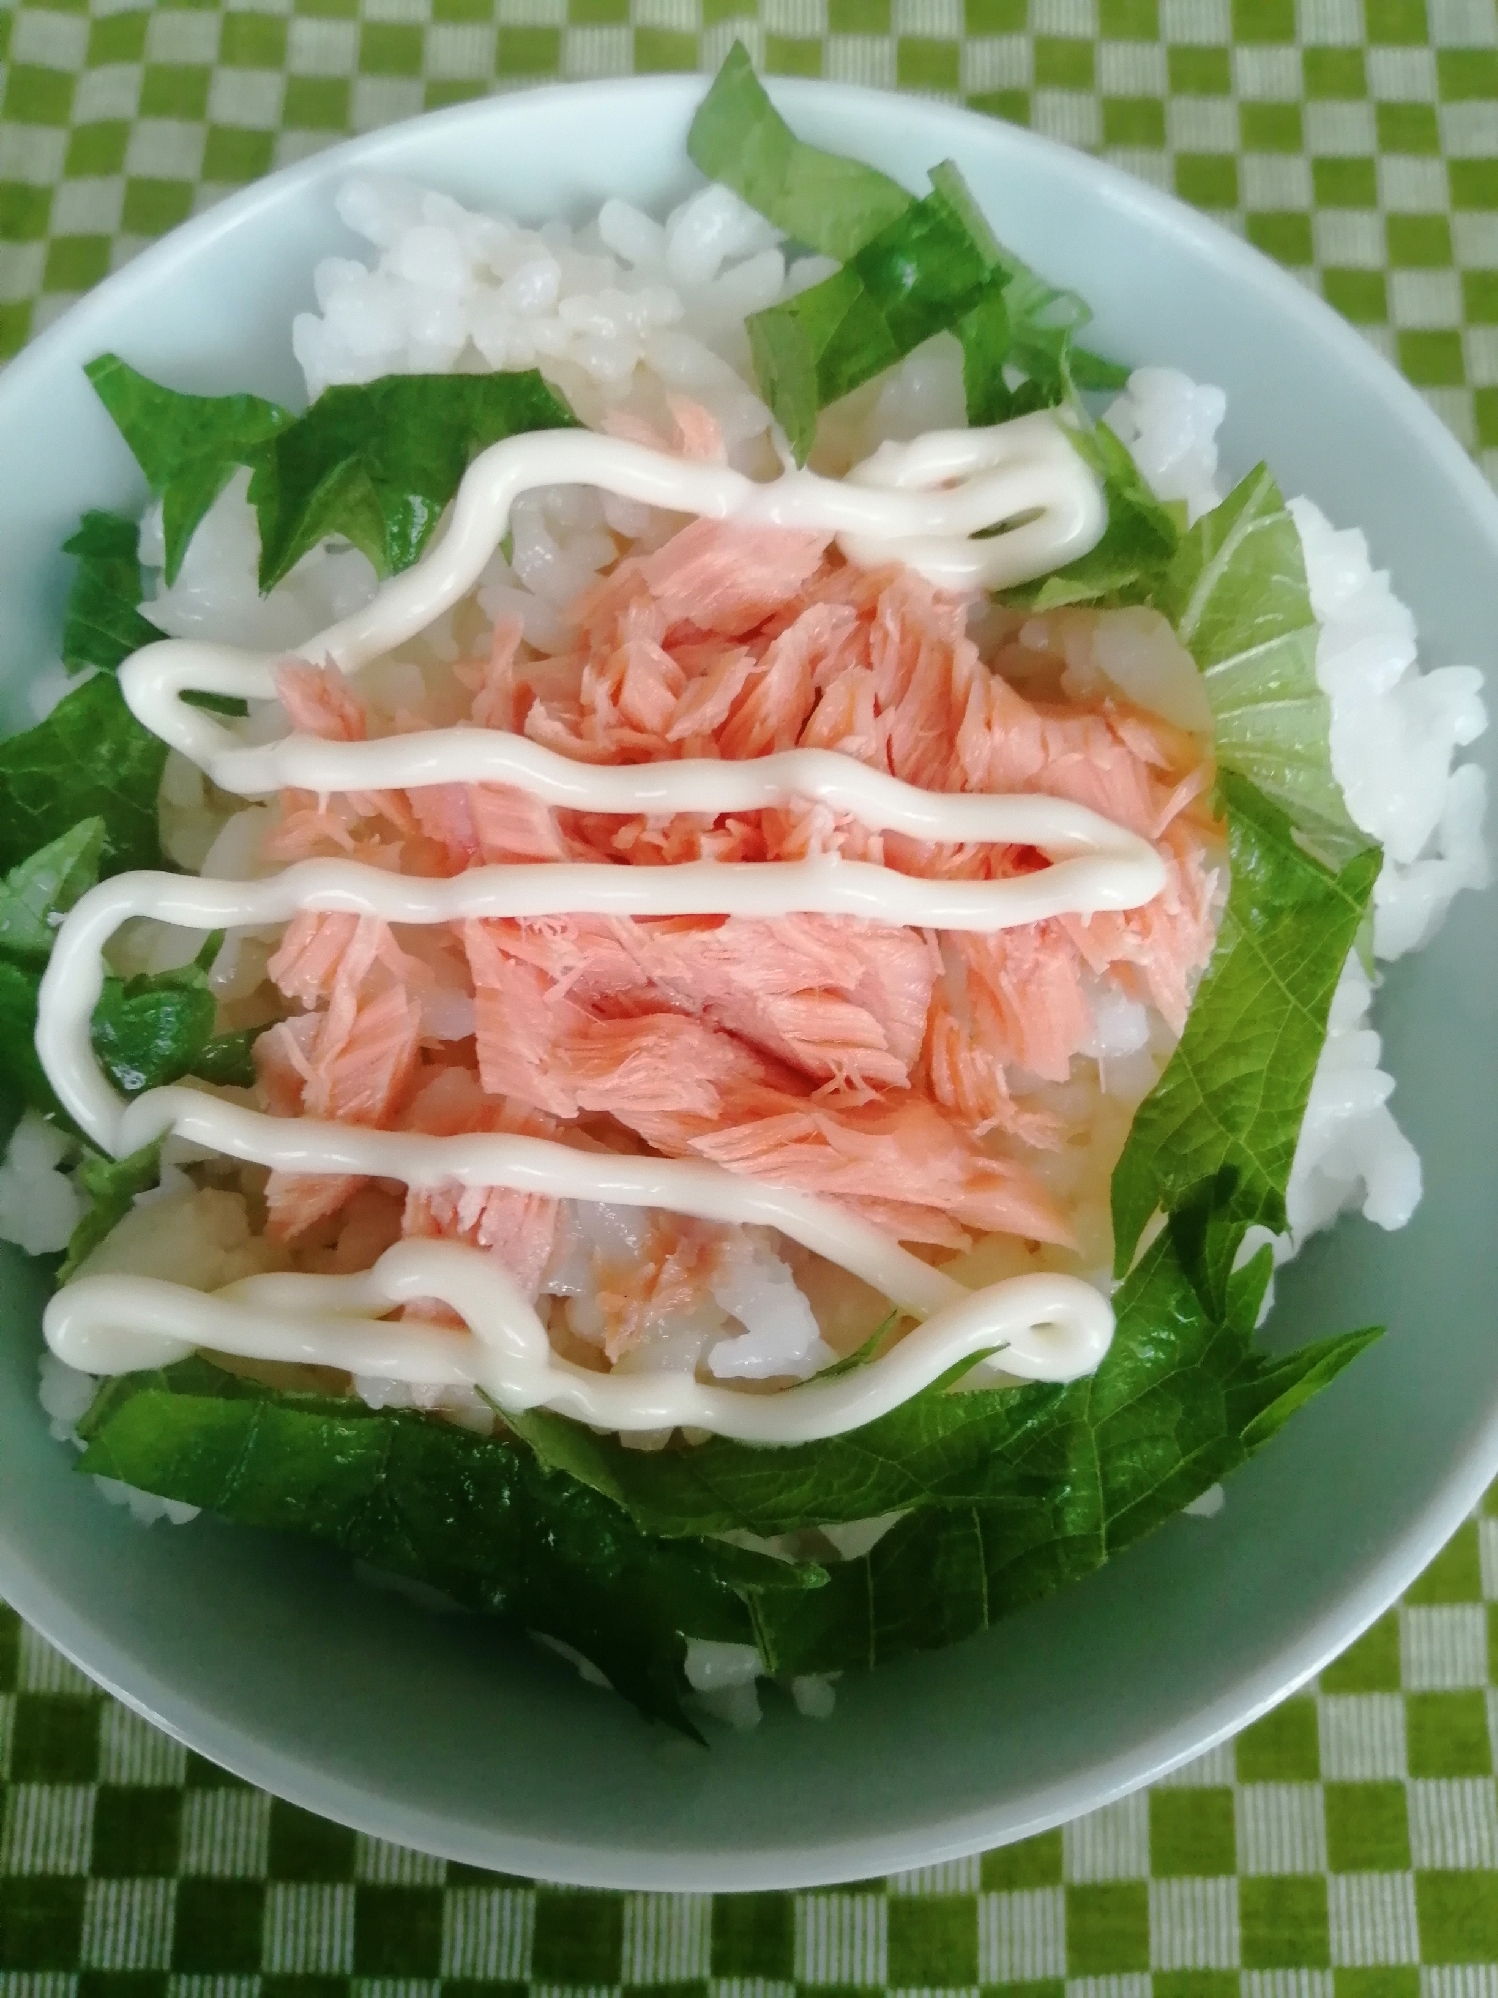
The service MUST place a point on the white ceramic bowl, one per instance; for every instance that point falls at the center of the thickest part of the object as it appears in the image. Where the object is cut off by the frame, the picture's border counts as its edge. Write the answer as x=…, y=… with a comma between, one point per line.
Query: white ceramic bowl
x=272, y=1658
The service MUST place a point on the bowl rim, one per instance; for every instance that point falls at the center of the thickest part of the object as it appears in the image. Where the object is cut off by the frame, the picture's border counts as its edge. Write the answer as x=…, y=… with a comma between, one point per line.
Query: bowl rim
x=1380, y=1578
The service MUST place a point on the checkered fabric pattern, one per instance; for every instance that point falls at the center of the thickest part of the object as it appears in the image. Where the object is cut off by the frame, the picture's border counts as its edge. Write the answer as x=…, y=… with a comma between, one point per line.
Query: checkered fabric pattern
x=1344, y=1847
x=1356, y=140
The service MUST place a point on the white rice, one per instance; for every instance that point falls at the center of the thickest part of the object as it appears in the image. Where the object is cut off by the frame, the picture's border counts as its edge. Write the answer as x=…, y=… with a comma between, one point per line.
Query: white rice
x=65, y=1396
x=611, y=312
x=621, y=314
x=1395, y=732
x=39, y=1204
x=215, y=595
x=1170, y=425
x=197, y=1236
x=725, y=1678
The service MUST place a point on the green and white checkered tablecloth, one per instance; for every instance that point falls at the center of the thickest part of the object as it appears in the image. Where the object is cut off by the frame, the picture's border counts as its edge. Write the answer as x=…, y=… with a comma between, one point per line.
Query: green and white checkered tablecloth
x=1356, y=140
x=1344, y=1847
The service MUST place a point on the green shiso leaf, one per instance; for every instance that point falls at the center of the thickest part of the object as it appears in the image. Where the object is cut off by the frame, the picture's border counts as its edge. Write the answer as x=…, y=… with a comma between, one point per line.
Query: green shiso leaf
x=911, y=267
x=1180, y=1401
x=23, y=1083
x=378, y=462
x=1001, y=1495
x=1023, y=326
x=1140, y=543
x=111, y=1185
x=151, y=1030
x=188, y=446
x=1034, y=335
x=1061, y=1461
x=939, y=1449
x=986, y=334
x=1090, y=372
x=831, y=204
x=103, y=623
x=375, y=462
x=229, y=1058
x=861, y=1355
x=1234, y=1092
x=1046, y=320
x=1011, y=1493
x=39, y=890
x=1237, y=595
x=936, y=268
x=146, y=1031
x=36, y=894
x=918, y=276
x=1007, y=1495
x=90, y=759
x=482, y=1520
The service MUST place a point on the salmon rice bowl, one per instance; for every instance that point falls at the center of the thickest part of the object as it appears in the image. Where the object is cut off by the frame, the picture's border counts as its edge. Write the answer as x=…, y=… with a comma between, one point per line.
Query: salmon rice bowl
x=676, y=966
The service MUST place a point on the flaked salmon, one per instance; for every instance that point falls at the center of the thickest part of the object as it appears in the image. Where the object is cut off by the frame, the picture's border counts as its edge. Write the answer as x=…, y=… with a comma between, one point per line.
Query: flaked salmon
x=884, y=1067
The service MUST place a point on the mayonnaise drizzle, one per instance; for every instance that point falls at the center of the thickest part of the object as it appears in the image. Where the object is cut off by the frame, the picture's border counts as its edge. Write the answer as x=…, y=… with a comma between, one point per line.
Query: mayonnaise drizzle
x=896, y=506
x=921, y=503
x=95, y=1324
x=543, y=1166
x=825, y=885
x=1049, y=1327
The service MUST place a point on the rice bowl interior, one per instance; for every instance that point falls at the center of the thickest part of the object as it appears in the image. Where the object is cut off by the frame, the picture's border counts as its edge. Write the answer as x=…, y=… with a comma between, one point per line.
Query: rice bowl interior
x=1235, y=1669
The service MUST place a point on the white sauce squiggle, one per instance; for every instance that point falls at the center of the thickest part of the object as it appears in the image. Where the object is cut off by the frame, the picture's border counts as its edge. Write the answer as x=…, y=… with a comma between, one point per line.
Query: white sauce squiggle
x=897, y=506
x=826, y=885
x=507, y=1354
x=920, y=503
x=542, y=1166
